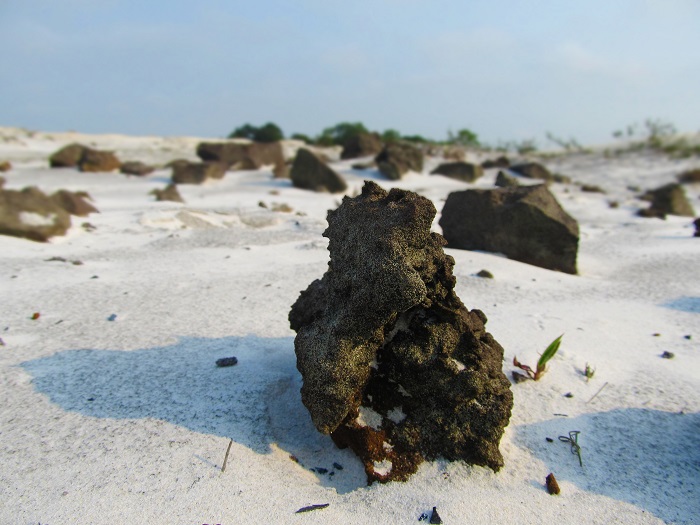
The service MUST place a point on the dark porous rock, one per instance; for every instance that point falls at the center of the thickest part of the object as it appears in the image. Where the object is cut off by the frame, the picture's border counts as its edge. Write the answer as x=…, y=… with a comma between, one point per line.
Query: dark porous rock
x=524, y=223
x=94, y=160
x=464, y=171
x=500, y=162
x=667, y=200
x=690, y=176
x=398, y=158
x=74, y=203
x=67, y=157
x=170, y=193
x=5, y=165
x=394, y=366
x=310, y=173
x=362, y=145
x=503, y=180
x=31, y=214
x=137, y=168
x=198, y=172
x=532, y=170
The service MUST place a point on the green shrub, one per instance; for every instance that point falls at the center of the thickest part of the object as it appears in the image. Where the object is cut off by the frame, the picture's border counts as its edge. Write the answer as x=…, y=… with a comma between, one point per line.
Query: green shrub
x=269, y=132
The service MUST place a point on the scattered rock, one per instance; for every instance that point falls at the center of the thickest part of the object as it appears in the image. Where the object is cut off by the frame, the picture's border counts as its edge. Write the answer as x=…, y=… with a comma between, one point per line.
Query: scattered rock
x=591, y=188
x=435, y=517
x=668, y=355
x=310, y=173
x=245, y=156
x=552, y=485
x=696, y=223
x=176, y=162
x=136, y=168
x=94, y=160
x=524, y=223
x=690, y=176
x=226, y=361
x=562, y=179
x=503, y=180
x=398, y=158
x=500, y=162
x=464, y=171
x=394, y=366
x=362, y=145
x=5, y=165
x=532, y=170
x=170, y=193
x=31, y=214
x=312, y=507
x=485, y=274
x=456, y=153
x=74, y=202
x=112, y=317
x=67, y=157
x=364, y=165
x=35, y=316
x=667, y=200
x=198, y=172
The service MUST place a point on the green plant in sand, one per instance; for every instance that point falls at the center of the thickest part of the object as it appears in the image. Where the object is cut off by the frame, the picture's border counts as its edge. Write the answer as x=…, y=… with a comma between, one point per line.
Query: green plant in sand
x=541, y=363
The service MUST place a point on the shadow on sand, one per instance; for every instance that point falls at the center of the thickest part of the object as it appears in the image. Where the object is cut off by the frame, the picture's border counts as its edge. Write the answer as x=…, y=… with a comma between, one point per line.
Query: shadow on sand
x=685, y=304
x=648, y=458
x=256, y=403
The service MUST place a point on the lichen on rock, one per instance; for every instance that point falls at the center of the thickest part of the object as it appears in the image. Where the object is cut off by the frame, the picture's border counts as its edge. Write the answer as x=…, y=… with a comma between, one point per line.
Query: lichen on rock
x=394, y=366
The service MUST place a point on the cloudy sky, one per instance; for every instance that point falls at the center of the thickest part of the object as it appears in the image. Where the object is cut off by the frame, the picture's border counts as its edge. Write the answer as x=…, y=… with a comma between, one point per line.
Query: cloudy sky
x=507, y=69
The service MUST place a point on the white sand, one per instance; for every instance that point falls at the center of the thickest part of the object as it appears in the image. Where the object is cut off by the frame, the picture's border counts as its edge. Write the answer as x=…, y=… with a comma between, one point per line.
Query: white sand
x=128, y=421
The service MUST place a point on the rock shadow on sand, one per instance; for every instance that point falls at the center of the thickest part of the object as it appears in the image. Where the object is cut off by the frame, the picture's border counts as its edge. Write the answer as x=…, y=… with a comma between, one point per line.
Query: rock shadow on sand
x=685, y=304
x=649, y=458
x=256, y=403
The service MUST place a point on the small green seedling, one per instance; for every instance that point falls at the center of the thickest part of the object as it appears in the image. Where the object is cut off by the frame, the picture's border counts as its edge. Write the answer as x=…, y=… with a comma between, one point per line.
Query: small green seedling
x=589, y=372
x=541, y=364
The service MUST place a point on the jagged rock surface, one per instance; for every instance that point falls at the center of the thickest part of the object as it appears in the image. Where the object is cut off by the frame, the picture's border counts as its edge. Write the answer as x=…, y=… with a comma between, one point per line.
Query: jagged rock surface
x=394, y=365
x=525, y=223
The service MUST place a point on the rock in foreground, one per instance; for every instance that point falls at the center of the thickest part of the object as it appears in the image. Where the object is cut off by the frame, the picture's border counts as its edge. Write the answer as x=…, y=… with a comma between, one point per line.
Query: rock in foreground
x=394, y=365
x=525, y=223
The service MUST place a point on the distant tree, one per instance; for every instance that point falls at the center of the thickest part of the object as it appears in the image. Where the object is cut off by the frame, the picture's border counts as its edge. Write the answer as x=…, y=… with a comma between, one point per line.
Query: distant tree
x=302, y=137
x=464, y=137
x=342, y=132
x=269, y=132
x=391, y=135
x=415, y=138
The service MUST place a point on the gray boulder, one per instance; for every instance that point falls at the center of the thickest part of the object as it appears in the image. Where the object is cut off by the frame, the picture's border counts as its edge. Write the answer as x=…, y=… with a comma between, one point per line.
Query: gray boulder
x=667, y=200
x=310, y=173
x=525, y=223
x=398, y=158
x=464, y=171
x=394, y=366
x=197, y=172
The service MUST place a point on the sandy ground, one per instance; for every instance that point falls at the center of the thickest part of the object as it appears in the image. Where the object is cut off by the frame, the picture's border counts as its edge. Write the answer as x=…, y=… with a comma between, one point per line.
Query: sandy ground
x=113, y=411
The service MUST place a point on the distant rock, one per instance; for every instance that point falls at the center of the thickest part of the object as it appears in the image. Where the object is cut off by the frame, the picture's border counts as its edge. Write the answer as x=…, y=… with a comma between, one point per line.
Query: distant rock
x=310, y=173
x=690, y=176
x=464, y=171
x=170, y=193
x=696, y=223
x=94, y=160
x=525, y=223
x=362, y=145
x=74, y=203
x=398, y=158
x=177, y=162
x=667, y=200
x=394, y=366
x=5, y=165
x=361, y=166
x=499, y=162
x=245, y=156
x=137, y=168
x=31, y=214
x=532, y=170
x=456, y=153
x=503, y=180
x=592, y=188
x=198, y=172
x=67, y=157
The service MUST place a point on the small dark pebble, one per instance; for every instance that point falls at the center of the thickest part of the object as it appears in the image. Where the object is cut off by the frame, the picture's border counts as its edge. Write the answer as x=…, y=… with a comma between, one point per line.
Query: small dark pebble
x=668, y=355
x=552, y=485
x=485, y=273
x=112, y=317
x=35, y=316
x=322, y=470
x=226, y=361
x=90, y=398
x=337, y=466
x=2, y=343
x=657, y=334
x=435, y=517
x=549, y=440
x=519, y=378
x=423, y=517
x=77, y=263
x=95, y=277
x=688, y=337
x=569, y=395
x=312, y=507
x=294, y=458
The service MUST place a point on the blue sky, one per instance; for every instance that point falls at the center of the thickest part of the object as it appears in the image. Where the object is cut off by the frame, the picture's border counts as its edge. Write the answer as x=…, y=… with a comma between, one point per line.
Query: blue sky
x=508, y=70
